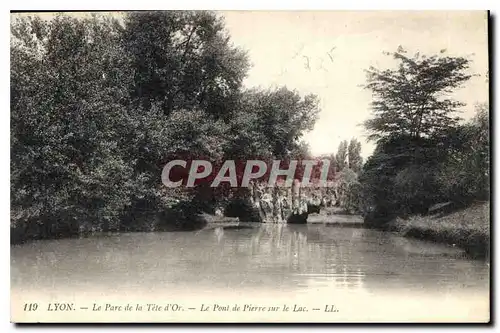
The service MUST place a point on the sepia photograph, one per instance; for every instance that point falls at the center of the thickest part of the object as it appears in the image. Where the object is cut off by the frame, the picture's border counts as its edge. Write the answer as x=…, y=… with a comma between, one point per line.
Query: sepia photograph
x=197, y=166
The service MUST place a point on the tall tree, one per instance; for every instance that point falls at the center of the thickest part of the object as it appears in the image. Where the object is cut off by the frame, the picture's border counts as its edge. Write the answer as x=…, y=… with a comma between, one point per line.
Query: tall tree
x=354, y=155
x=413, y=98
x=184, y=60
x=341, y=157
x=186, y=86
x=67, y=121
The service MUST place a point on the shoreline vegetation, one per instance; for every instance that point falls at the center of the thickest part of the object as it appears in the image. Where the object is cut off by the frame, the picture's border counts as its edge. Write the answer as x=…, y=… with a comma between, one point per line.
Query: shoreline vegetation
x=100, y=105
x=467, y=228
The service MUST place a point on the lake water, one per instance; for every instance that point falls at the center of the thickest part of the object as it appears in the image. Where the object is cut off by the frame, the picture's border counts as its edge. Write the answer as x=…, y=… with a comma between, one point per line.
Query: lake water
x=366, y=275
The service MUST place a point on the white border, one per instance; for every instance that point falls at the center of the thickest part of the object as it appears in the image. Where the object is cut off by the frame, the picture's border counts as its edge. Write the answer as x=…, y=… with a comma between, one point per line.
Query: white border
x=189, y=4
x=254, y=5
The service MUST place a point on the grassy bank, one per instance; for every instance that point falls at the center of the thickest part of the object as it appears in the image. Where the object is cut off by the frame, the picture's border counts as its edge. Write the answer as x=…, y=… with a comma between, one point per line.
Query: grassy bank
x=468, y=228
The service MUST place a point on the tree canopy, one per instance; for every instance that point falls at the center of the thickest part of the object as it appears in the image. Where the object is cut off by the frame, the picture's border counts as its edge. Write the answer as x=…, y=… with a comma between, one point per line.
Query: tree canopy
x=99, y=104
x=413, y=99
x=424, y=154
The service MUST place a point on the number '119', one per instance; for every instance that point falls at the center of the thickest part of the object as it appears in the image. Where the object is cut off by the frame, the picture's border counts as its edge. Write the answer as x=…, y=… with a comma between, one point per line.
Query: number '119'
x=30, y=306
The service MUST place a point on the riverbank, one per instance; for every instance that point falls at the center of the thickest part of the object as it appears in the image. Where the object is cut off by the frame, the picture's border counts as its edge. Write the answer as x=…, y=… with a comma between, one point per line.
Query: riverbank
x=182, y=218
x=468, y=228
x=174, y=220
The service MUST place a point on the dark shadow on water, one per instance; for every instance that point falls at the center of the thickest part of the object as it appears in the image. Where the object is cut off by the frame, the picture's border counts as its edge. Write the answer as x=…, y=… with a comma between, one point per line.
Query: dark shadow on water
x=344, y=225
x=238, y=227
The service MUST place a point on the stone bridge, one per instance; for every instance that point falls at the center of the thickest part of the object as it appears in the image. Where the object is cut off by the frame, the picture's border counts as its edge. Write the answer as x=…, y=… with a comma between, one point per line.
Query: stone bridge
x=293, y=204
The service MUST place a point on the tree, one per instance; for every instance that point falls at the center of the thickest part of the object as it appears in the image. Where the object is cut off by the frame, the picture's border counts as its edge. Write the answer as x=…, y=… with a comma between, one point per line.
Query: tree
x=355, y=160
x=68, y=170
x=271, y=122
x=268, y=124
x=186, y=67
x=185, y=88
x=412, y=99
x=183, y=60
x=416, y=131
x=99, y=105
x=400, y=177
x=465, y=173
x=341, y=157
x=302, y=151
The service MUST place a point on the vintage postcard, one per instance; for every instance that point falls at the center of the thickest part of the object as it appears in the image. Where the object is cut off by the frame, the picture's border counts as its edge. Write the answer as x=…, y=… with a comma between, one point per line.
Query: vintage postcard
x=250, y=167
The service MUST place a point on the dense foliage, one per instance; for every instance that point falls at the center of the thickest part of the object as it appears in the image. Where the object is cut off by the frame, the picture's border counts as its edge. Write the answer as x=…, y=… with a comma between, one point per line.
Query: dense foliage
x=99, y=104
x=412, y=99
x=424, y=154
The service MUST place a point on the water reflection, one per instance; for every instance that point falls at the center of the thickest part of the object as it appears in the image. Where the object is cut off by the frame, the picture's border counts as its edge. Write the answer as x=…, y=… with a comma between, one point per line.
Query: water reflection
x=269, y=256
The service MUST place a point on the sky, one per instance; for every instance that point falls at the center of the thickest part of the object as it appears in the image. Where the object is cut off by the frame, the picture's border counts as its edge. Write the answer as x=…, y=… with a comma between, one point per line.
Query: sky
x=279, y=42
